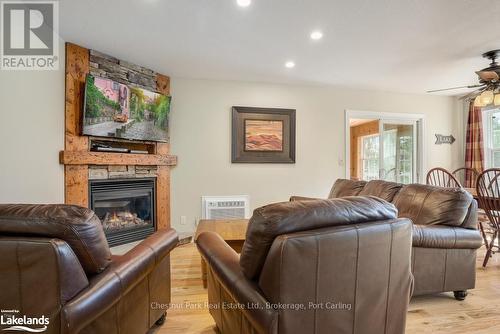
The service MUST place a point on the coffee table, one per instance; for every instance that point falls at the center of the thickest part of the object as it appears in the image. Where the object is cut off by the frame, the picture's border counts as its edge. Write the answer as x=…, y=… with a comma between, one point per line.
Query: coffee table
x=233, y=231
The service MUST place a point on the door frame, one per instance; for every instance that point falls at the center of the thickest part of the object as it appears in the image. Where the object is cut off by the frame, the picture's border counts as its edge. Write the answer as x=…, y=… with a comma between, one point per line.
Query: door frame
x=387, y=116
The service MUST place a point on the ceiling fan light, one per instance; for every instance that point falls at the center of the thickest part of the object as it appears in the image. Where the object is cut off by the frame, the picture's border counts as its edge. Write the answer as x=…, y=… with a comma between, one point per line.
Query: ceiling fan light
x=497, y=100
x=487, y=97
x=478, y=102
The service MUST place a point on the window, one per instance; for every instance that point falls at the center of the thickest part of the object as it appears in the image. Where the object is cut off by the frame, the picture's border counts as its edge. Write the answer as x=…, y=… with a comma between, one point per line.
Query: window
x=390, y=154
x=405, y=159
x=390, y=150
x=369, y=157
x=492, y=138
x=397, y=154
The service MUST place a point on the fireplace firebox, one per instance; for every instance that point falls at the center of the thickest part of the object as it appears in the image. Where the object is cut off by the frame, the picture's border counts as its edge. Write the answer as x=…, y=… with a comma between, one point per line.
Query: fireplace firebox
x=126, y=208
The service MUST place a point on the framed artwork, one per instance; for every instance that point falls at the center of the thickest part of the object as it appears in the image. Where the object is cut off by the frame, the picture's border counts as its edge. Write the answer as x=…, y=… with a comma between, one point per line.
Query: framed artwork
x=263, y=135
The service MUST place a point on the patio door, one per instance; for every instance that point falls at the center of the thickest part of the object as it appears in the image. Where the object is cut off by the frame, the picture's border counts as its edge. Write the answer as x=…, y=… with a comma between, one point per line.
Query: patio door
x=398, y=148
x=385, y=146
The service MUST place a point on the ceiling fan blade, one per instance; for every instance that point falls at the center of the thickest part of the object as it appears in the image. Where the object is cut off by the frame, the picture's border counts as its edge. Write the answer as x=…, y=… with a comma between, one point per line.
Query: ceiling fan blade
x=488, y=75
x=460, y=87
x=472, y=94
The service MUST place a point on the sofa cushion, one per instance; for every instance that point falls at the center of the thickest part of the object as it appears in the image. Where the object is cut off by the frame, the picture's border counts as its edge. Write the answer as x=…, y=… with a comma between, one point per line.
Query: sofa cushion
x=273, y=220
x=429, y=205
x=343, y=188
x=78, y=226
x=436, y=236
x=383, y=189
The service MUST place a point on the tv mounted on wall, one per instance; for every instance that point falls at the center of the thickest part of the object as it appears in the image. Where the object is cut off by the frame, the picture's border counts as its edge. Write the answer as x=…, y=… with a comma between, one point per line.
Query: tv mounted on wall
x=117, y=110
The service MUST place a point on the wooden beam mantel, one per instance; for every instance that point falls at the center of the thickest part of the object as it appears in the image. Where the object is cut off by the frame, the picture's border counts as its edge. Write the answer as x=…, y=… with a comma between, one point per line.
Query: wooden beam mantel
x=105, y=158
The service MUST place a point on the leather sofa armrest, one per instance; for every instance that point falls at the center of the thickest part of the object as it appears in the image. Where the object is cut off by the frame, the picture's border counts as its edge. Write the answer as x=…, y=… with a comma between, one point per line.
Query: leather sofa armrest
x=124, y=273
x=470, y=222
x=224, y=262
x=302, y=198
x=161, y=243
x=447, y=237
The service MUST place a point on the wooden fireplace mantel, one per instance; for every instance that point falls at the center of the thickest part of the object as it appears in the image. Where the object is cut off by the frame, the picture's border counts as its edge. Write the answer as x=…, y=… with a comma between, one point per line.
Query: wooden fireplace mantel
x=114, y=159
x=77, y=156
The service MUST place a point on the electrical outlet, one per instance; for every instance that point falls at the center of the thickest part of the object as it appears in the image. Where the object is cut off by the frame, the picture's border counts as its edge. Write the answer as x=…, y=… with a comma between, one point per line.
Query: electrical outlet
x=183, y=220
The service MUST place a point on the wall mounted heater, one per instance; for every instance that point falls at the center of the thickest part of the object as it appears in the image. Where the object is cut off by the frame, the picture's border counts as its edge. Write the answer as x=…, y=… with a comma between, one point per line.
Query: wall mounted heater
x=225, y=207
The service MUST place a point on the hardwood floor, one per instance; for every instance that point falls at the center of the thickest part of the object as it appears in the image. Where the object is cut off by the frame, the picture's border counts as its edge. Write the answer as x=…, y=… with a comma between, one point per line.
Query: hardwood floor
x=479, y=313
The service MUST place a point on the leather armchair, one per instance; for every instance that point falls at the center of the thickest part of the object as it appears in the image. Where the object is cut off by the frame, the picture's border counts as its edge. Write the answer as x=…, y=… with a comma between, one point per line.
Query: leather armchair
x=56, y=263
x=445, y=234
x=323, y=266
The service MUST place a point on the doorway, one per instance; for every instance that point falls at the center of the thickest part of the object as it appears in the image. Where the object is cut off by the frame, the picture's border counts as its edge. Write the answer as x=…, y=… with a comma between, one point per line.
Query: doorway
x=384, y=146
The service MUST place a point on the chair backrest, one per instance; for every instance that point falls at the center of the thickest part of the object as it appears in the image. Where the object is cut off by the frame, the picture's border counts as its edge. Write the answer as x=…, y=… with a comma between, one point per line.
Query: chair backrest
x=77, y=226
x=466, y=176
x=488, y=193
x=382, y=189
x=423, y=204
x=271, y=221
x=359, y=275
x=39, y=276
x=344, y=187
x=430, y=205
x=440, y=177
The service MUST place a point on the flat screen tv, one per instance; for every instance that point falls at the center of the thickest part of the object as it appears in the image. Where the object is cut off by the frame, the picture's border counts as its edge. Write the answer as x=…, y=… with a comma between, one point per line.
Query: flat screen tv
x=116, y=110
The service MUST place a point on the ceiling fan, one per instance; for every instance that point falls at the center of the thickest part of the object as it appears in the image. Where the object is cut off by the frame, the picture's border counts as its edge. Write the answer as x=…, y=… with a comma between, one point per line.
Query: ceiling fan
x=488, y=89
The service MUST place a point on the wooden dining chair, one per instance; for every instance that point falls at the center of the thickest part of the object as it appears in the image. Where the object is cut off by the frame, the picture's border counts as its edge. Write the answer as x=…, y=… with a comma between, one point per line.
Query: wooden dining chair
x=466, y=176
x=440, y=177
x=488, y=194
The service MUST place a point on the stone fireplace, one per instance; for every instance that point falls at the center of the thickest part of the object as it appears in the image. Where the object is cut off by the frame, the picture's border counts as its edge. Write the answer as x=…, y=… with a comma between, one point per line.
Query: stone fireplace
x=126, y=208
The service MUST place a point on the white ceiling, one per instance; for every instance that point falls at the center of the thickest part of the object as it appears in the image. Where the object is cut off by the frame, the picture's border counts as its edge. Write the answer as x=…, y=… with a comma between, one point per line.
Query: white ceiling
x=393, y=45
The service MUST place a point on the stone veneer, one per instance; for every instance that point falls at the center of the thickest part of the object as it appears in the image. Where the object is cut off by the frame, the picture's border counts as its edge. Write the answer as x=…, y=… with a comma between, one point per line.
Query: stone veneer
x=121, y=172
x=106, y=66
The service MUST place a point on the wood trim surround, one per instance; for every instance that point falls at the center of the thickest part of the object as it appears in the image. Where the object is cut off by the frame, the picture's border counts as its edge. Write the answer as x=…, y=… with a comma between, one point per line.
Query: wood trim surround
x=163, y=178
x=75, y=177
x=77, y=156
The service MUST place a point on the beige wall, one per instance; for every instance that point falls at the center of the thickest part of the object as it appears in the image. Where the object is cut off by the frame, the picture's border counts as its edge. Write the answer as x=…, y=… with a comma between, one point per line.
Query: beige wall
x=31, y=135
x=201, y=137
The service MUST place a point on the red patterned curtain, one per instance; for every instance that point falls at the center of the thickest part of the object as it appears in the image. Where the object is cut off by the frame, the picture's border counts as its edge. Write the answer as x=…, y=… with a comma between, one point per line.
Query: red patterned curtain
x=474, y=153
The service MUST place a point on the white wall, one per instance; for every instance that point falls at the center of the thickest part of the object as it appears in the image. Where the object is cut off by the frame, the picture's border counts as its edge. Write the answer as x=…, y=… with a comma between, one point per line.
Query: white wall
x=201, y=137
x=31, y=135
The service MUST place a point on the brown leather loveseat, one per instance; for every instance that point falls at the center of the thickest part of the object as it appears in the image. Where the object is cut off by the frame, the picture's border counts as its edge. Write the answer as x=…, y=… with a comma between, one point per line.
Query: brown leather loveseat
x=445, y=235
x=324, y=266
x=56, y=263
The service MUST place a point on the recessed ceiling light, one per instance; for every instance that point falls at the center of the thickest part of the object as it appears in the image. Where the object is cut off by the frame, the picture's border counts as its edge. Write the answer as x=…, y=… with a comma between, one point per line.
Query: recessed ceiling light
x=316, y=35
x=289, y=64
x=244, y=3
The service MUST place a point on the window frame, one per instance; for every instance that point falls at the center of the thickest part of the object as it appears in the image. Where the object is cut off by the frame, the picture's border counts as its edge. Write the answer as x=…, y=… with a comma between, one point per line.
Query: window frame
x=420, y=146
x=489, y=151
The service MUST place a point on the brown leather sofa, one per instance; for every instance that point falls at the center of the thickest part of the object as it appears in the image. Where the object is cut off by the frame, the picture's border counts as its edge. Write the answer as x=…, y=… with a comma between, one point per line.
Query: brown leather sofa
x=445, y=235
x=55, y=262
x=324, y=266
